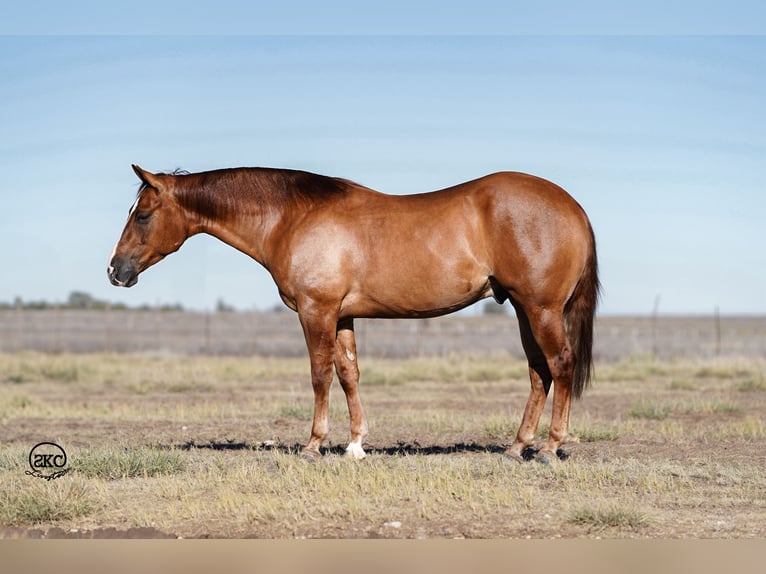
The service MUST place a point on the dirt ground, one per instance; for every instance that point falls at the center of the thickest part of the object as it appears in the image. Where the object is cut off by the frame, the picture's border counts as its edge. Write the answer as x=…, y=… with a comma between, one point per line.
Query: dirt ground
x=669, y=449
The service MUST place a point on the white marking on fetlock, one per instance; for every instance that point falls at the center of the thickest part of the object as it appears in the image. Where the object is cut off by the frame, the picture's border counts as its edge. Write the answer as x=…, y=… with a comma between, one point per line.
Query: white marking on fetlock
x=355, y=450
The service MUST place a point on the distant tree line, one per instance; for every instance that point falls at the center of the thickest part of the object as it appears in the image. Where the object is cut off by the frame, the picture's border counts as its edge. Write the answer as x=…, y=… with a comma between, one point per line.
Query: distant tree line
x=82, y=300
x=85, y=301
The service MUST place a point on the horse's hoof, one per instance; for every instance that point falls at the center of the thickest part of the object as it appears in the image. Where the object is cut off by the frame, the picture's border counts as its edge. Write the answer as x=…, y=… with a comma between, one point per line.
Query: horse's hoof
x=513, y=458
x=310, y=455
x=544, y=458
x=355, y=452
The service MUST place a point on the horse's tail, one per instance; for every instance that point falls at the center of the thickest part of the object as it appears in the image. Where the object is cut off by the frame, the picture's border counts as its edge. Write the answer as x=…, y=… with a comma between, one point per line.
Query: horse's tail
x=578, y=318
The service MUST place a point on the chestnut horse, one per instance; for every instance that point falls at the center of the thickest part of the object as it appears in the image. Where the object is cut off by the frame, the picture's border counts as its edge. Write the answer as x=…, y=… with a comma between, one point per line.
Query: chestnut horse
x=338, y=251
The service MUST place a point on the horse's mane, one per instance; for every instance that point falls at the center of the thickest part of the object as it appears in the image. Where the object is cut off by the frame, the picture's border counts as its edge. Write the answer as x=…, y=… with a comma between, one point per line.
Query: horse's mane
x=144, y=185
x=219, y=193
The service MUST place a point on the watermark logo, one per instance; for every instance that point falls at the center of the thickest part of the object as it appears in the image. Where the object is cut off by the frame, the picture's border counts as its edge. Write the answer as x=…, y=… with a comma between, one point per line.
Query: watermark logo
x=47, y=460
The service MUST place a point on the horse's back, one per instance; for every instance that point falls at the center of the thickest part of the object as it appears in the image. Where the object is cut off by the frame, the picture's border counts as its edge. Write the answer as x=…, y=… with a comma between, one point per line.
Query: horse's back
x=502, y=194
x=508, y=210
x=509, y=191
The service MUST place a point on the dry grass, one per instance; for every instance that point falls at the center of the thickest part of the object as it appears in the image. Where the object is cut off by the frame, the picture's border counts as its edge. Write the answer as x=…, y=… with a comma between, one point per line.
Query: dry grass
x=128, y=462
x=609, y=516
x=205, y=447
x=34, y=502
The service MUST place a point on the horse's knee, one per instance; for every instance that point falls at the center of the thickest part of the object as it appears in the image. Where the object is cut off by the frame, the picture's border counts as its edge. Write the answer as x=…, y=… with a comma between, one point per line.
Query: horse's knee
x=321, y=376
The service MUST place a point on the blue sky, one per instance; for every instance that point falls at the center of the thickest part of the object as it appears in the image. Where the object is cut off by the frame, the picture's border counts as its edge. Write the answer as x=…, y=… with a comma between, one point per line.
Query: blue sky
x=661, y=138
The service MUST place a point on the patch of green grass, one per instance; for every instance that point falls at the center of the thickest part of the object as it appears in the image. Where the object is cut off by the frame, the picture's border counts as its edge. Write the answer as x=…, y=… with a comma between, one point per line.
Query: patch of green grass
x=17, y=378
x=190, y=386
x=635, y=368
x=710, y=407
x=748, y=428
x=34, y=501
x=299, y=412
x=660, y=411
x=450, y=370
x=726, y=408
x=721, y=371
x=595, y=434
x=751, y=386
x=379, y=377
x=682, y=385
x=13, y=458
x=501, y=428
x=650, y=410
x=21, y=402
x=64, y=374
x=488, y=373
x=126, y=462
x=608, y=516
x=17, y=405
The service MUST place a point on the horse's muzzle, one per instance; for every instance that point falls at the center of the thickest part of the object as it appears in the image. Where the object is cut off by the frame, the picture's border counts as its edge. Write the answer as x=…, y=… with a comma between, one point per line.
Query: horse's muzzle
x=122, y=272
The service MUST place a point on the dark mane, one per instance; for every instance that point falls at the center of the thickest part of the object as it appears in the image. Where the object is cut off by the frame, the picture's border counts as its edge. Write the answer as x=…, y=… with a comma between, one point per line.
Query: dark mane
x=219, y=193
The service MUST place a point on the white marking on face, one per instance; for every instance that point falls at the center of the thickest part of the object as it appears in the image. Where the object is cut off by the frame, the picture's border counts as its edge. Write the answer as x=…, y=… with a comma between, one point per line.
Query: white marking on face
x=110, y=268
x=134, y=206
x=350, y=355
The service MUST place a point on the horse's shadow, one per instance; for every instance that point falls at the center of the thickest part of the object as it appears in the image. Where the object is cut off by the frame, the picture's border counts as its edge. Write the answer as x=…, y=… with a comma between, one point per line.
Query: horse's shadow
x=401, y=449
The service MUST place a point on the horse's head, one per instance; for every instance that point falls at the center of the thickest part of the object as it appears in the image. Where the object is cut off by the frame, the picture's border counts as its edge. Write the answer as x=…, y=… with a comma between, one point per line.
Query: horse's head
x=156, y=227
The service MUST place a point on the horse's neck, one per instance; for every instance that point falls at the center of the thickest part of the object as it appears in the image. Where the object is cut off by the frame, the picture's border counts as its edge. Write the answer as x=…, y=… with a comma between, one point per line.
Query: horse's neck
x=245, y=225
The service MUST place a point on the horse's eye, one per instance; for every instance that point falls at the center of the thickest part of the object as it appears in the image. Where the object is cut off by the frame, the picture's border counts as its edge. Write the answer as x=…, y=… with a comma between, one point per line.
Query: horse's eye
x=143, y=217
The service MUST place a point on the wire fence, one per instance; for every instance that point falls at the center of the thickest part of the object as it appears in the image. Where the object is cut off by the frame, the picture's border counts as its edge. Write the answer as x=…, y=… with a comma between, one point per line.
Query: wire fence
x=279, y=334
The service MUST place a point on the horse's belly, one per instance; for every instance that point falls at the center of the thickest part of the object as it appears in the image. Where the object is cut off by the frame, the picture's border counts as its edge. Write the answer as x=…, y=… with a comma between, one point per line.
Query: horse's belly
x=415, y=293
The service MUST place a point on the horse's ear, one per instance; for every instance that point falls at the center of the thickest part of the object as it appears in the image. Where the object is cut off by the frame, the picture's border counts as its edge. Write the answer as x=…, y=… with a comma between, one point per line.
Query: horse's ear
x=147, y=177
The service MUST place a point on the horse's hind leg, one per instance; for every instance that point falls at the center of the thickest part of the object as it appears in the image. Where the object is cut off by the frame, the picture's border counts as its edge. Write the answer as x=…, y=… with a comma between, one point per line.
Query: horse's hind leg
x=546, y=327
x=540, y=378
x=347, y=368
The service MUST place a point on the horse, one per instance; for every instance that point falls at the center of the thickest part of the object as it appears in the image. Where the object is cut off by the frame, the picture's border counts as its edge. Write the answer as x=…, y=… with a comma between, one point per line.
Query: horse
x=338, y=251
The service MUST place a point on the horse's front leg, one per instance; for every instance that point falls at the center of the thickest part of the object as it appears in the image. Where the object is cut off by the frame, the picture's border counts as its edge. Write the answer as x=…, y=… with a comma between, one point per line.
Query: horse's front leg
x=348, y=373
x=319, y=327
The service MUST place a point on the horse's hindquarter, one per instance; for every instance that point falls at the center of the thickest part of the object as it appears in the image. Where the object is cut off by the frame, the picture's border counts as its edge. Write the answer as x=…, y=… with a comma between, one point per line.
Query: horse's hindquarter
x=540, y=238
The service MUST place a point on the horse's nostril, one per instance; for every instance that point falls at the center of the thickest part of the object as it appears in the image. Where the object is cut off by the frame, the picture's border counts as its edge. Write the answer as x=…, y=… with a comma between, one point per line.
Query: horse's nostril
x=111, y=273
x=122, y=273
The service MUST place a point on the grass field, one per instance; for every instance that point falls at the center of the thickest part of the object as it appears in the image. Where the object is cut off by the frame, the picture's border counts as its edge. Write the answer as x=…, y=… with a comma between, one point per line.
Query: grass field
x=164, y=445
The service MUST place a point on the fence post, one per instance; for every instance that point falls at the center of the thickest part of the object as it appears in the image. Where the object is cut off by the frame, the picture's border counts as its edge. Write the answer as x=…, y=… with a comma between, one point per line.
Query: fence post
x=17, y=343
x=207, y=332
x=108, y=327
x=655, y=313
x=717, y=331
